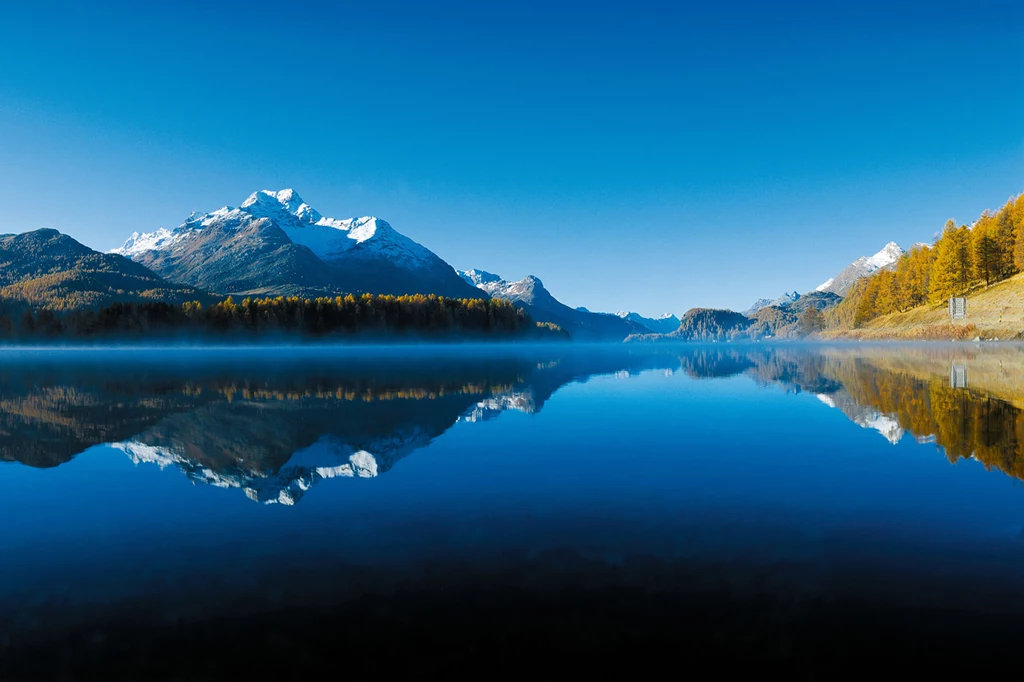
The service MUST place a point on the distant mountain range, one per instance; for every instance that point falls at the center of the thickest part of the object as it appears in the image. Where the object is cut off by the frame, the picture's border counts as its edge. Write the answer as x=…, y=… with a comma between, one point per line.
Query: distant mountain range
x=529, y=293
x=839, y=285
x=272, y=244
x=665, y=324
x=782, y=300
x=275, y=244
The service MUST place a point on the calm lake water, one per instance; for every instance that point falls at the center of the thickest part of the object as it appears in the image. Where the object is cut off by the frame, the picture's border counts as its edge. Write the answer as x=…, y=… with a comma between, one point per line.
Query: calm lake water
x=272, y=513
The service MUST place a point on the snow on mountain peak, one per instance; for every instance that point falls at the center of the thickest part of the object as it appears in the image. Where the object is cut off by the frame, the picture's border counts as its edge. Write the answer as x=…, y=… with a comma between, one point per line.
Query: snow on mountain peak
x=478, y=277
x=328, y=238
x=659, y=325
x=889, y=254
x=494, y=285
x=825, y=285
x=288, y=199
x=862, y=267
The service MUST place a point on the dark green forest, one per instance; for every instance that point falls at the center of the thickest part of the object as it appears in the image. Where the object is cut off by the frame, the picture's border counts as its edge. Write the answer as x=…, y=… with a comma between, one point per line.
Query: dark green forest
x=361, y=316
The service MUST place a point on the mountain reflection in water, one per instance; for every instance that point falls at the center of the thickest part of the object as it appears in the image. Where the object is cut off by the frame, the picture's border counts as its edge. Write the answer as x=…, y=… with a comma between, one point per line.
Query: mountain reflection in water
x=429, y=510
x=275, y=429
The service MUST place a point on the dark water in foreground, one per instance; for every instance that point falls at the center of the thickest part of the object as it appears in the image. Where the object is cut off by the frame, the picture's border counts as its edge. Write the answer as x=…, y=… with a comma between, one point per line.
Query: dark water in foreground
x=218, y=514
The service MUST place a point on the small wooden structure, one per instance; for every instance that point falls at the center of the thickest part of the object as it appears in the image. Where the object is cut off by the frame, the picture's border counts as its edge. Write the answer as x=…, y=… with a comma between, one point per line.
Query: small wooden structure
x=958, y=308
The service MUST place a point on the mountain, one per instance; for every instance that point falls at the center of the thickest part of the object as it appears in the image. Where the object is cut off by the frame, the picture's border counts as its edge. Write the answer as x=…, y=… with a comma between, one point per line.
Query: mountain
x=49, y=269
x=666, y=324
x=702, y=324
x=782, y=317
x=529, y=293
x=708, y=324
x=862, y=267
x=276, y=244
x=757, y=305
x=276, y=429
x=782, y=300
x=818, y=299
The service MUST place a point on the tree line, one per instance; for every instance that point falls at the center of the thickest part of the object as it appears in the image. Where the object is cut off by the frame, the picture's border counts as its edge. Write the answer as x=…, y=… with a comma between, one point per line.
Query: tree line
x=961, y=259
x=340, y=316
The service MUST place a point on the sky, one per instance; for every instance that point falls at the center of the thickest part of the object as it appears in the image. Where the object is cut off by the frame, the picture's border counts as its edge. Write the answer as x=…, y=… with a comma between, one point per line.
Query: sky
x=646, y=156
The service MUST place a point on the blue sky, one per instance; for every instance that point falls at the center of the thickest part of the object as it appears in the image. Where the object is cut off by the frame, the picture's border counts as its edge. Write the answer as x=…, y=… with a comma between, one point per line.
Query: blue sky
x=646, y=156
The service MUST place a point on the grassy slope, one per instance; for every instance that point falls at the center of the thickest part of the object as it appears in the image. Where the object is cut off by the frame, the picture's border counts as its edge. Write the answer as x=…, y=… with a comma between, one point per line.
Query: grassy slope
x=992, y=312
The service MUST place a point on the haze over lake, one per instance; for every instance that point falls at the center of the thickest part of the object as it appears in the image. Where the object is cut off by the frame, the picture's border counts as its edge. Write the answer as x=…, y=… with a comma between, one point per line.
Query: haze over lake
x=214, y=512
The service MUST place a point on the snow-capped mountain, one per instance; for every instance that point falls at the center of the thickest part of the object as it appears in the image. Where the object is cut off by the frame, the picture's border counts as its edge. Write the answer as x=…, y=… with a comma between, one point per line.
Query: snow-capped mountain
x=274, y=242
x=529, y=293
x=862, y=267
x=666, y=324
x=478, y=278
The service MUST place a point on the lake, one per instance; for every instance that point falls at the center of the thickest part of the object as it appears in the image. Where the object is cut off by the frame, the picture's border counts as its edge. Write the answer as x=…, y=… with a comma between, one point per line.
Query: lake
x=225, y=513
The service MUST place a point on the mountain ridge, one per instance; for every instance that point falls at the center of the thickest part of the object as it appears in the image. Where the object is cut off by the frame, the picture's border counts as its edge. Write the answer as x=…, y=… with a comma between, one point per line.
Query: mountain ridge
x=530, y=294
x=276, y=243
x=840, y=284
x=48, y=268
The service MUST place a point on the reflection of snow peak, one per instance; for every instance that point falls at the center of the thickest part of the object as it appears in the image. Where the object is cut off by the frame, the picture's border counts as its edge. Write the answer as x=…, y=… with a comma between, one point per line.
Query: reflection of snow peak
x=885, y=425
x=865, y=417
x=323, y=455
x=520, y=401
x=326, y=458
x=827, y=399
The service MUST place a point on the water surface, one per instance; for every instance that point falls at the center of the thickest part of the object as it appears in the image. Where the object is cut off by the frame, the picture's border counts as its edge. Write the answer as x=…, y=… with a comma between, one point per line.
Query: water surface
x=252, y=512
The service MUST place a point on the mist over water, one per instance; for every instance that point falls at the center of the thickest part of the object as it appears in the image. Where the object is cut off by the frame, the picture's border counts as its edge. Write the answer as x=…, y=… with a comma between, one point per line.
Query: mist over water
x=230, y=512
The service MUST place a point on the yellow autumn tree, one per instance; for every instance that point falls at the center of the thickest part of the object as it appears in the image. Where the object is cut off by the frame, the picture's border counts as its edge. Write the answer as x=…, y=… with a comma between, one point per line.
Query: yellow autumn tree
x=951, y=271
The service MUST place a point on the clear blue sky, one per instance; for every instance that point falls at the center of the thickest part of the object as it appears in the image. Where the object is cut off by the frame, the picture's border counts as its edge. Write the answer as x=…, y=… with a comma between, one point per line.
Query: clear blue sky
x=640, y=155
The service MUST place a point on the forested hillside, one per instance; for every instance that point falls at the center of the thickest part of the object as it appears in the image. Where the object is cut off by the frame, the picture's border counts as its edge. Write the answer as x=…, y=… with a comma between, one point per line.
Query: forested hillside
x=47, y=268
x=963, y=261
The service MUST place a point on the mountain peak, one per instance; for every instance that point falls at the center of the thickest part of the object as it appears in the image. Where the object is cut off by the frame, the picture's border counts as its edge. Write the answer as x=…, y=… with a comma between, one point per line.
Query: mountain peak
x=785, y=299
x=862, y=267
x=478, y=277
x=889, y=254
x=357, y=254
x=288, y=199
x=663, y=324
